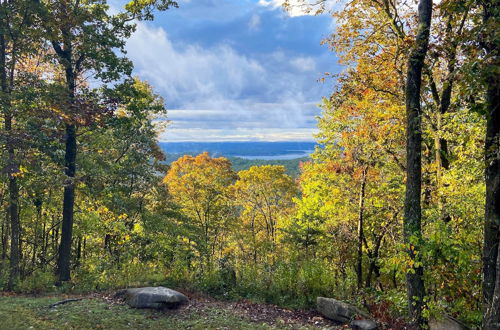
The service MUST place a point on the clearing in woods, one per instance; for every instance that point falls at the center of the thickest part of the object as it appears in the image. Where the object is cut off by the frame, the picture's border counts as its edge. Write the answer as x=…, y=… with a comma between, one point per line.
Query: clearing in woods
x=102, y=311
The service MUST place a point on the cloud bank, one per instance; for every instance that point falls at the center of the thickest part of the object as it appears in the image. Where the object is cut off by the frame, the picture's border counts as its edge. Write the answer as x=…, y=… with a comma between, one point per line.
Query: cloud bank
x=226, y=88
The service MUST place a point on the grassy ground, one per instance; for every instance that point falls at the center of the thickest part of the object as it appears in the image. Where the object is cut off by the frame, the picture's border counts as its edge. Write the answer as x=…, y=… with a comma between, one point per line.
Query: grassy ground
x=99, y=312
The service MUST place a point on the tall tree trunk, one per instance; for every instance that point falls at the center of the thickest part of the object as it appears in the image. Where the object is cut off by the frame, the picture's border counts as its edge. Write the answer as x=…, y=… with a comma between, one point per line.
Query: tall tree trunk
x=5, y=239
x=44, y=245
x=63, y=262
x=491, y=247
x=359, y=265
x=84, y=247
x=53, y=236
x=38, y=219
x=413, y=212
x=79, y=251
x=15, y=227
x=12, y=168
x=492, y=315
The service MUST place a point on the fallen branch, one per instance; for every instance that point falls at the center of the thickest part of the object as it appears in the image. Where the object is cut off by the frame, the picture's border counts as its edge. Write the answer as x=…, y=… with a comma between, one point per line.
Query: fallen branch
x=65, y=302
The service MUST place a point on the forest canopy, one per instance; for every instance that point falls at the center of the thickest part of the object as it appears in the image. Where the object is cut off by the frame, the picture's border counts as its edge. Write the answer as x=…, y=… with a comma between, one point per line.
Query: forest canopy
x=397, y=211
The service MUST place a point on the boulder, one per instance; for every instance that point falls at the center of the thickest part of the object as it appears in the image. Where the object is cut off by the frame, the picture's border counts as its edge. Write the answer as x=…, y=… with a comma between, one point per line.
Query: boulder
x=153, y=297
x=447, y=323
x=337, y=310
x=364, y=325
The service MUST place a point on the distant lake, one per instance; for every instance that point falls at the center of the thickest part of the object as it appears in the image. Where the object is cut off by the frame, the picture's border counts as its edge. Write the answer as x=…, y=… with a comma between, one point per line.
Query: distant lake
x=247, y=149
x=306, y=153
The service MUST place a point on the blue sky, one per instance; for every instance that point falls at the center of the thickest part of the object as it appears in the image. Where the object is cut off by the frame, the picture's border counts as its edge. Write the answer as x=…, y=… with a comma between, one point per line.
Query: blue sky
x=235, y=70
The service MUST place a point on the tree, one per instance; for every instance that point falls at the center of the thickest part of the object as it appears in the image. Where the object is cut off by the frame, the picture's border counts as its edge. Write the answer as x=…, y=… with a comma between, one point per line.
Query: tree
x=119, y=164
x=413, y=213
x=359, y=137
x=361, y=156
x=373, y=39
x=17, y=39
x=491, y=248
x=265, y=193
x=200, y=185
x=85, y=38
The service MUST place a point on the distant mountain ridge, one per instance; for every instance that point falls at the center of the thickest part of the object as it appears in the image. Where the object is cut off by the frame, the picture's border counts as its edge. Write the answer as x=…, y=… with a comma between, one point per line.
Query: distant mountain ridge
x=239, y=149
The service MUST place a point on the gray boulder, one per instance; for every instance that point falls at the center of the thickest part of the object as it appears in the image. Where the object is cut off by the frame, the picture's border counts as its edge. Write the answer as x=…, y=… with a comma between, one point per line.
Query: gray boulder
x=364, y=325
x=447, y=323
x=337, y=310
x=153, y=297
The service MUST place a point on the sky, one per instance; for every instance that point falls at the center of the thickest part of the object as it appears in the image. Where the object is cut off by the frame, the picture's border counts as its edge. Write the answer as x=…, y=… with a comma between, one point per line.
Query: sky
x=235, y=70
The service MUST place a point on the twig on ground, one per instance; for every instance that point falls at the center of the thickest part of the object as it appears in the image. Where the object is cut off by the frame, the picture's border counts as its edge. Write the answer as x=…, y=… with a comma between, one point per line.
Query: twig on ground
x=62, y=302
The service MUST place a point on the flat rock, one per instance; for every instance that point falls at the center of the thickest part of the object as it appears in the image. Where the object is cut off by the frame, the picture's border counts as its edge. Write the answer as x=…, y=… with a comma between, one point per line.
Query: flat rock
x=338, y=310
x=447, y=323
x=153, y=297
x=364, y=325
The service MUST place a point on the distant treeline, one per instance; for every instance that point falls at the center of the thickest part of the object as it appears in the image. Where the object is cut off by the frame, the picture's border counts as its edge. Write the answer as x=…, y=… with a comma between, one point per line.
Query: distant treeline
x=292, y=165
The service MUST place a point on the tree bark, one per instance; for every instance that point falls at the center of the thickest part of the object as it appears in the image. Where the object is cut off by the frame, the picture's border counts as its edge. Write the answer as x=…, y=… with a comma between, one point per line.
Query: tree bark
x=492, y=316
x=413, y=212
x=64, y=260
x=12, y=168
x=44, y=245
x=15, y=226
x=38, y=219
x=491, y=247
x=5, y=239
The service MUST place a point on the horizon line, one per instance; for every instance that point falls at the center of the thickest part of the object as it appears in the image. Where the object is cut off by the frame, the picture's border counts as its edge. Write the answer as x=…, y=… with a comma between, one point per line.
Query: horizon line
x=239, y=141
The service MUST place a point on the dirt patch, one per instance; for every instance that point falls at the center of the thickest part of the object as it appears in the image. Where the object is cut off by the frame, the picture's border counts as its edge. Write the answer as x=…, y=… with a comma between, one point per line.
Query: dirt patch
x=275, y=315
x=255, y=312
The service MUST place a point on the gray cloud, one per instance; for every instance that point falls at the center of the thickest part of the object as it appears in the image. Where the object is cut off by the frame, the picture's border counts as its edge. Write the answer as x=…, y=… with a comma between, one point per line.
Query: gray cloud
x=254, y=115
x=221, y=94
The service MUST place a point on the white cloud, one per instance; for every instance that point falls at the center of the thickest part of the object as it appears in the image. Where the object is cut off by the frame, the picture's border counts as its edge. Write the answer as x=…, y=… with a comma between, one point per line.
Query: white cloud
x=271, y=3
x=304, y=64
x=224, y=95
x=236, y=115
x=254, y=22
x=187, y=72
